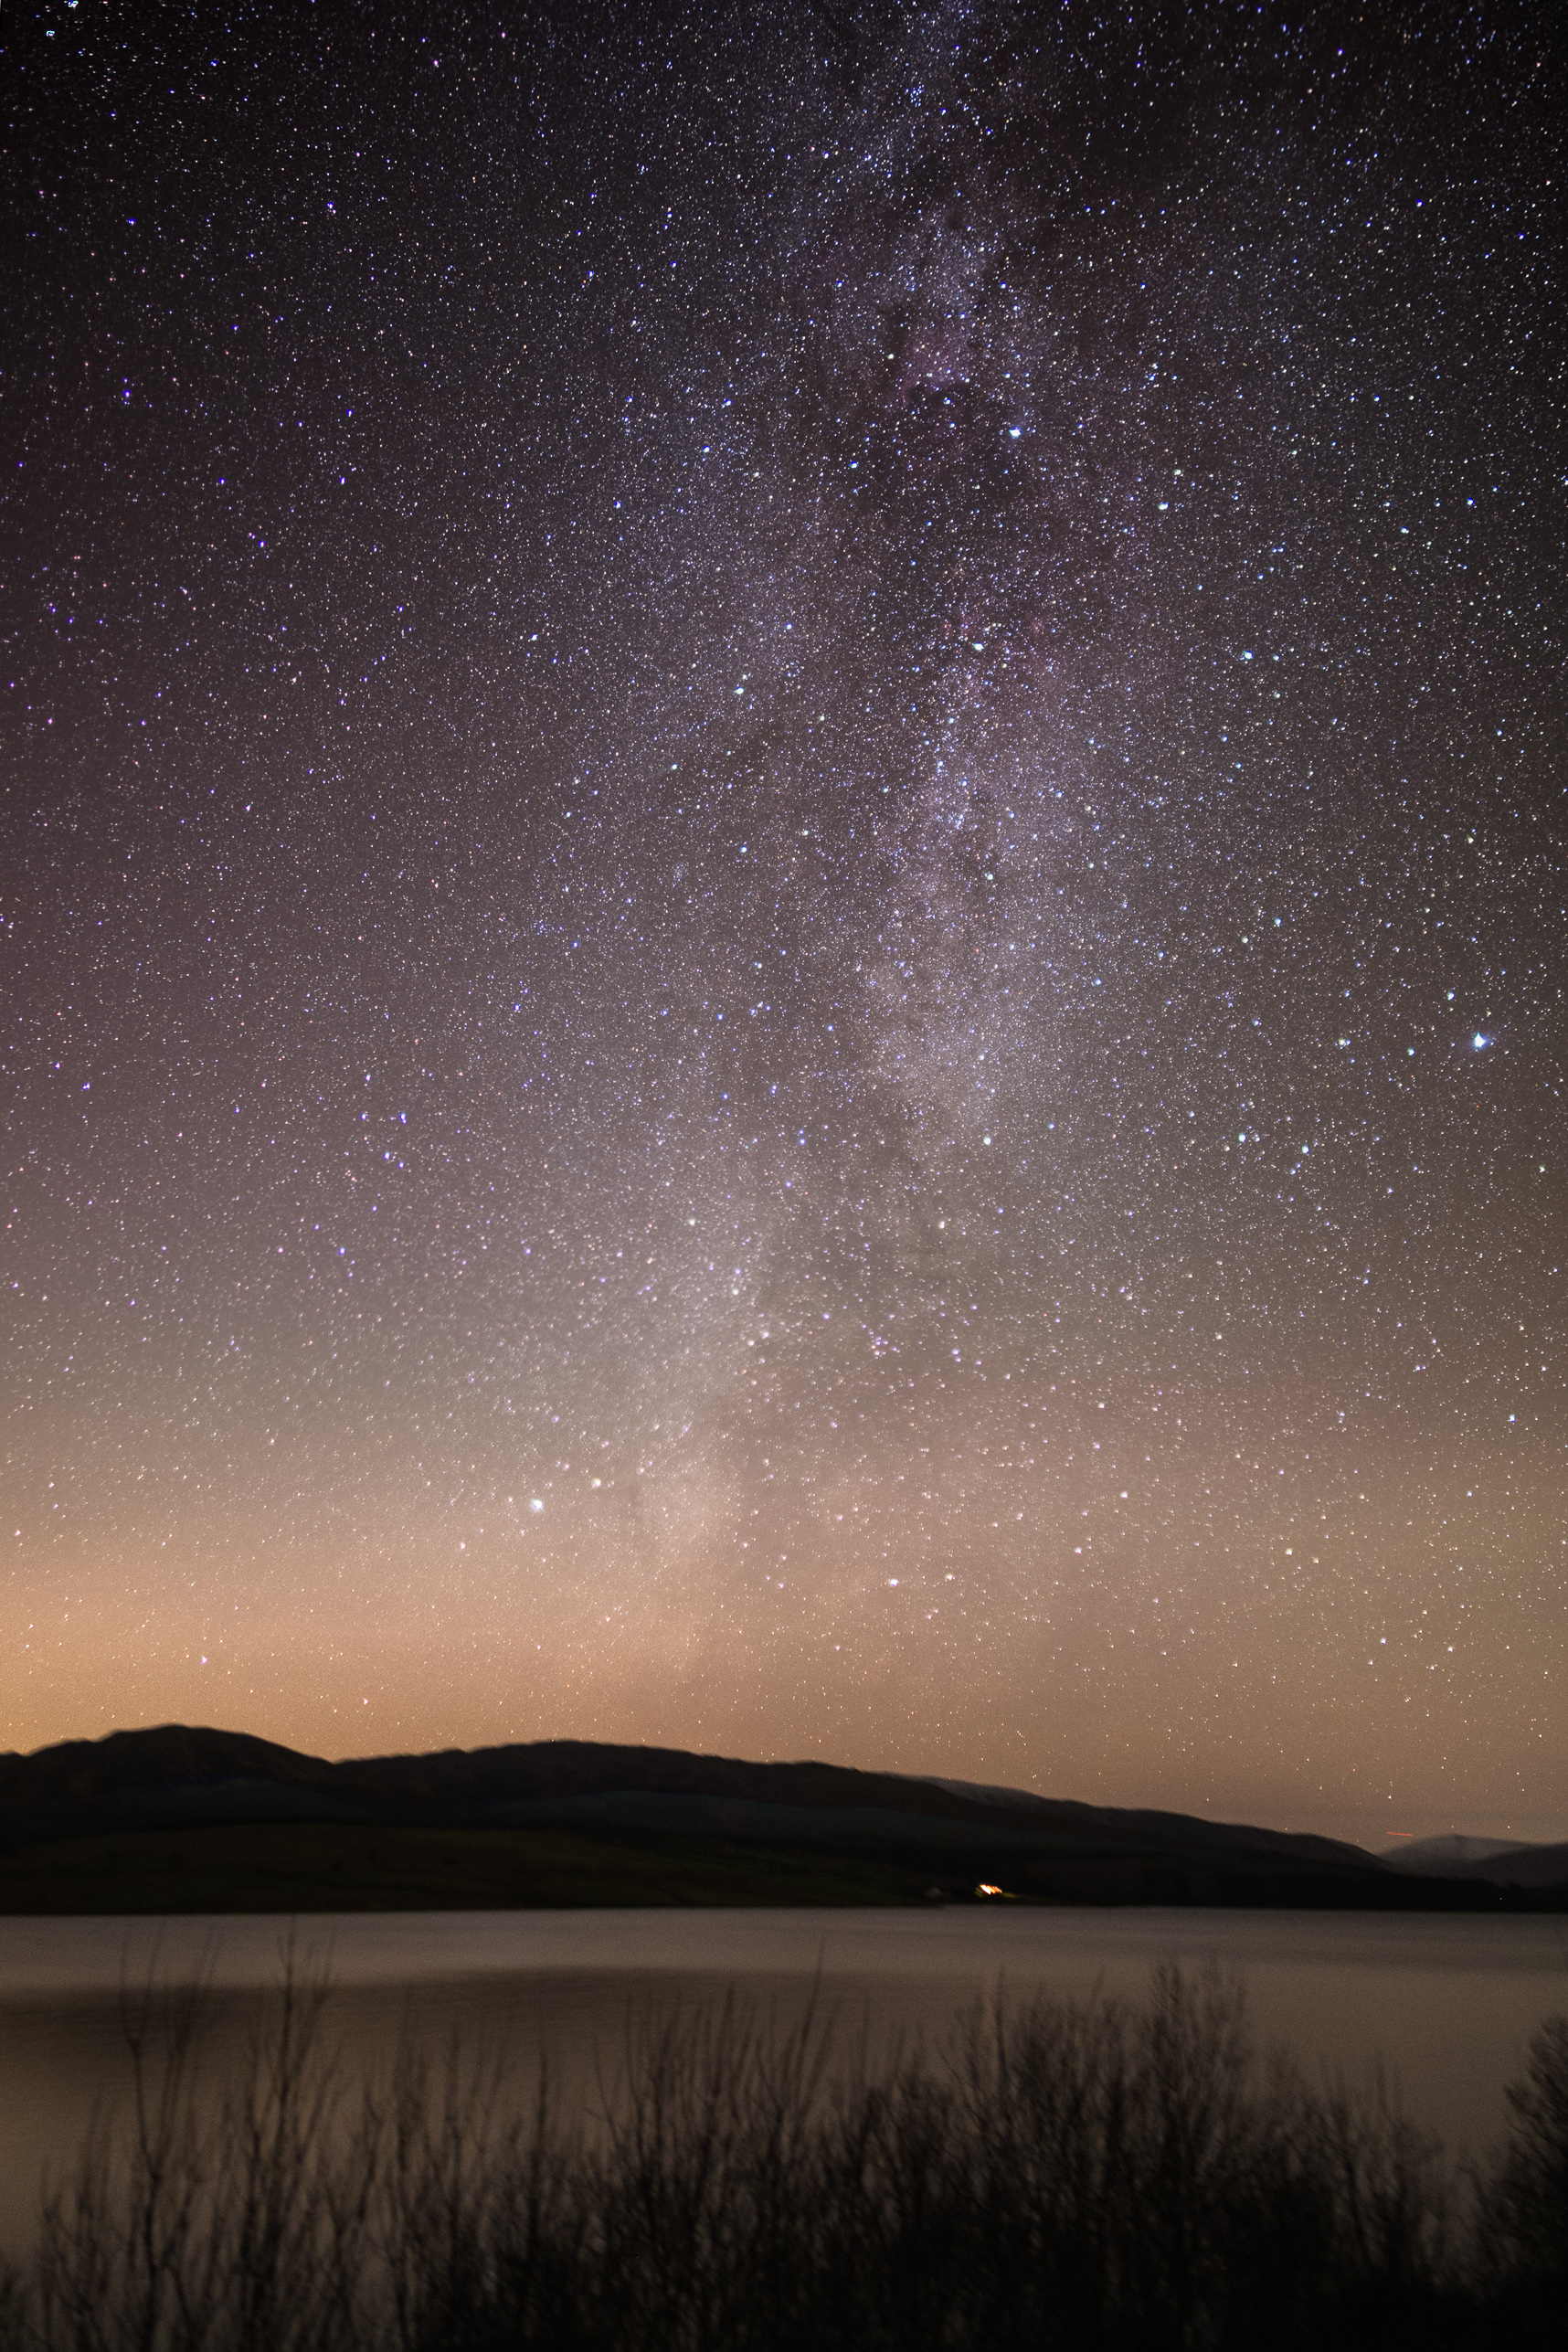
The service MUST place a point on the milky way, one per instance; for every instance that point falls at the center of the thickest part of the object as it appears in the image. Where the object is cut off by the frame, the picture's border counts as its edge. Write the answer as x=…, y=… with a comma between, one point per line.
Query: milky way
x=784, y=892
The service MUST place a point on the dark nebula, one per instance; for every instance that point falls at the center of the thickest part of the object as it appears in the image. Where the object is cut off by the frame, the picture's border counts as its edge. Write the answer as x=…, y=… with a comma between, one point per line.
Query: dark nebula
x=784, y=890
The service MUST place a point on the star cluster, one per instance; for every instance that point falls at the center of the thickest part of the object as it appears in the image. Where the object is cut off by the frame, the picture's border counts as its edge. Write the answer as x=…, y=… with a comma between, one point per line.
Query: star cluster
x=784, y=891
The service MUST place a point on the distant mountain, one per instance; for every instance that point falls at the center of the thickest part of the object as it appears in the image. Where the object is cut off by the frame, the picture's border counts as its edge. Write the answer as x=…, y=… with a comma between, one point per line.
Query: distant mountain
x=744, y=1823
x=1450, y=1848
x=1506, y=1861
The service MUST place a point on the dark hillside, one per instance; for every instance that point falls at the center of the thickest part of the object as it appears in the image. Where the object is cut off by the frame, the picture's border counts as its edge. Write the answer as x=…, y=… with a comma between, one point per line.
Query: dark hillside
x=189, y=1818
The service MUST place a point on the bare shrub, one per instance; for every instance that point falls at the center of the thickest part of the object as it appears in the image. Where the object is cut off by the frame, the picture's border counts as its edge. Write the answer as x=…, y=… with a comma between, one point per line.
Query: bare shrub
x=1525, y=2201
x=1097, y=2177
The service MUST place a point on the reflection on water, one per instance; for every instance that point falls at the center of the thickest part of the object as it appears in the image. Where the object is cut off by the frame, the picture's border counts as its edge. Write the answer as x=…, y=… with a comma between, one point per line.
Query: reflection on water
x=1447, y=2002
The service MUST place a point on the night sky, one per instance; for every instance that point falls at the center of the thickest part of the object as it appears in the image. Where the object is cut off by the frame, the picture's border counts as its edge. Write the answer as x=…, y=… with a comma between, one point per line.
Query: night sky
x=784, y=890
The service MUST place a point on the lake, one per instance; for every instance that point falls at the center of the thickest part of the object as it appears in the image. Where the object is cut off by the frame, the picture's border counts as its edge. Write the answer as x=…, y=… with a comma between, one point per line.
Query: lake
x=1447, y=2003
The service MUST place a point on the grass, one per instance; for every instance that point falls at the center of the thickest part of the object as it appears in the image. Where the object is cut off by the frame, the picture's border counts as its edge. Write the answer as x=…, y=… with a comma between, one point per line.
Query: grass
x=1096, y=2179
x=287, y=1868
x=297, y=1867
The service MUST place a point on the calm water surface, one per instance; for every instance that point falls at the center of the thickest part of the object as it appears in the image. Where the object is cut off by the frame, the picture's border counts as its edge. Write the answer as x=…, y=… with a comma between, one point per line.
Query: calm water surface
x=1447, y=2004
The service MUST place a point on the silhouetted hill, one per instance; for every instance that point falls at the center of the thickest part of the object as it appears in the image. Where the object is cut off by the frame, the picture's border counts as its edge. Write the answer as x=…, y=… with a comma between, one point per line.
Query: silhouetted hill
x=1505, y=1861
x=89, y=1773
x=564, y=1821
x=177, y=1774
x=1450, y=1850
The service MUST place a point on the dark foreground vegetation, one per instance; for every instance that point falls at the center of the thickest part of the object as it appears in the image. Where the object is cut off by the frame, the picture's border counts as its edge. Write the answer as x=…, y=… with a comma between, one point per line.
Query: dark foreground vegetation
x=1055, y=2176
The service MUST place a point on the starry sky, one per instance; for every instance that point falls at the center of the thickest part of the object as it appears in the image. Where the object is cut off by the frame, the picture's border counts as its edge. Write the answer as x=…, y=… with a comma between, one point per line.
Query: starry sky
x=784, y=890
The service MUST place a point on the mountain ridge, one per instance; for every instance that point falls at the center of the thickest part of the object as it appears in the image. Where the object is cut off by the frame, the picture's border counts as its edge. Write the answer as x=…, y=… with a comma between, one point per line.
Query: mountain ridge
x=1502, y=1862
x=83, y=1773
x=185, y=1817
